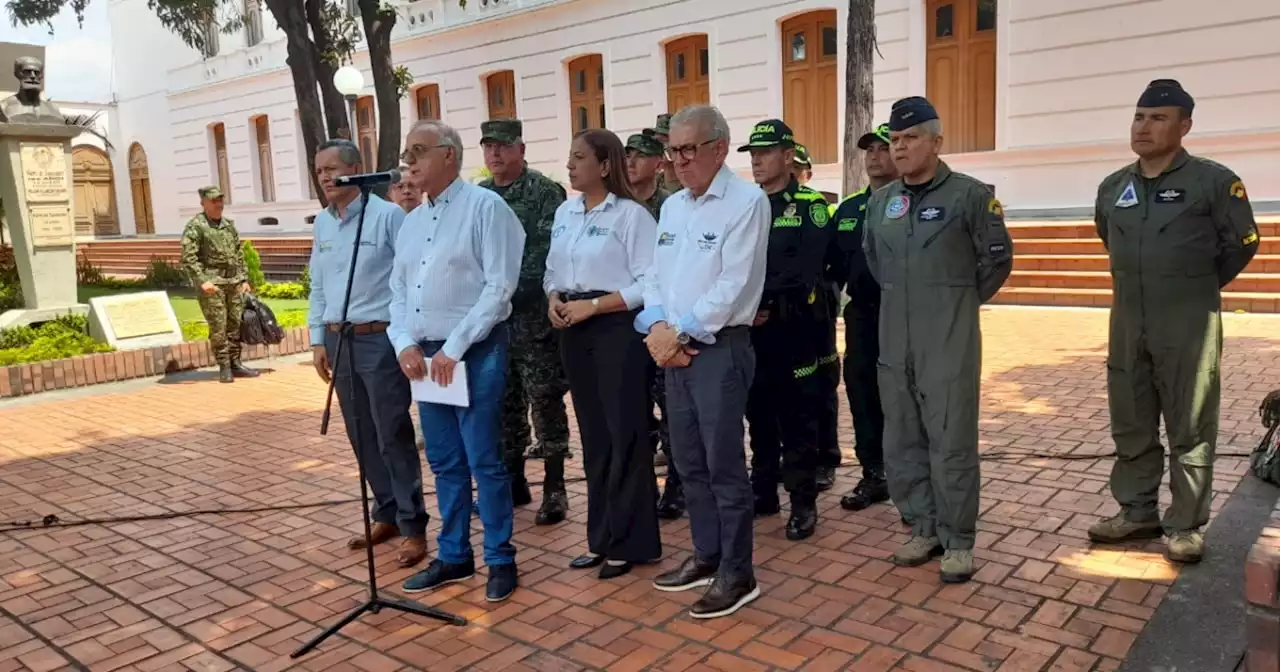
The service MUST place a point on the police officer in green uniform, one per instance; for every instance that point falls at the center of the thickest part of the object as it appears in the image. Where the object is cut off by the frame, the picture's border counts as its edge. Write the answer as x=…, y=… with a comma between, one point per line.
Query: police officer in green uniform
x=829, y=456
x=536, y=383
x=937, y=246
x=1178, y=228
x=644, y=163
x=660, y=132
x=789, y=335
x=848, y=268
x=212, y=258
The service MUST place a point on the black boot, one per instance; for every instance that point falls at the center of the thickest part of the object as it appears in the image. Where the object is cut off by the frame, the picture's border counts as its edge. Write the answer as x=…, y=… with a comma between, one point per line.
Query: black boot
x=872, y=489
x=225, y=375
x=520, y=495
x=671, y=506
x=766, y=503
x=803, y=521
x=239, y=370
x=555, y=501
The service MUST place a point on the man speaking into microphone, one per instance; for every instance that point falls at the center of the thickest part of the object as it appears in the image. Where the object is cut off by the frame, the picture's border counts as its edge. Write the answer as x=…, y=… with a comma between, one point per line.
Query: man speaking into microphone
x=378, y=392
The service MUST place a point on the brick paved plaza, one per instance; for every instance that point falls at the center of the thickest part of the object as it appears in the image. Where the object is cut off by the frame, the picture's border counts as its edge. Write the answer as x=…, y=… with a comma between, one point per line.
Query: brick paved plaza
x=241, y=591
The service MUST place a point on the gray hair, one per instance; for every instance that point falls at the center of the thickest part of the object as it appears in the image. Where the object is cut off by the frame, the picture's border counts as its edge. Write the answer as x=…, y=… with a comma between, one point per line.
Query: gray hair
x=348, y=153
x=444, y=133
x=705, y=118
x=932, y=127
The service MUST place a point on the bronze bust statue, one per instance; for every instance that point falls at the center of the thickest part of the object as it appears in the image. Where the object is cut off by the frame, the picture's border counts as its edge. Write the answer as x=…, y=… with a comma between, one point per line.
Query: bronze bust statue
x=26, y=107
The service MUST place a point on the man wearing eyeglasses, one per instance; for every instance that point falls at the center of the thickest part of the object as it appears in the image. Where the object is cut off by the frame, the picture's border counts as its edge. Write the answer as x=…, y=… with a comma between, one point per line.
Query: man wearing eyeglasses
x=456, y=267
x=700, y=300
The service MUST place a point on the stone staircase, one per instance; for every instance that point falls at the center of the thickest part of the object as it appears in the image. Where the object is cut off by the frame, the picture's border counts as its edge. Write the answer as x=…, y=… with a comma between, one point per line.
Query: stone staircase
x=1063, y=263
x=283, y=258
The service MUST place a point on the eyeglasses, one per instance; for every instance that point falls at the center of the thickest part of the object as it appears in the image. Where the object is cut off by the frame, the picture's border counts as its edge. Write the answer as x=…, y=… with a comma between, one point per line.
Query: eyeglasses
x=686, y=152
x=421, y=150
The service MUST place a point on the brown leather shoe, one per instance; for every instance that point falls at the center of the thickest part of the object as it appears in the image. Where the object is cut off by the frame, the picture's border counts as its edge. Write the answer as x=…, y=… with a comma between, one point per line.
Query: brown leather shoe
x=412, y=551
x=381, y=532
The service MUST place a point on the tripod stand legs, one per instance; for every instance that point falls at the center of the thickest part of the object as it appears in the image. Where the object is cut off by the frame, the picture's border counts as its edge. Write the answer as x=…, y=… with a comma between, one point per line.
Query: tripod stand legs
x=374, y=606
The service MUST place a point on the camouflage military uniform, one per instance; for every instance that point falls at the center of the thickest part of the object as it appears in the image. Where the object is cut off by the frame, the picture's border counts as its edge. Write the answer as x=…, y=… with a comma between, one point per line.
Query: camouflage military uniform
x=536, y=382
x=211, y=253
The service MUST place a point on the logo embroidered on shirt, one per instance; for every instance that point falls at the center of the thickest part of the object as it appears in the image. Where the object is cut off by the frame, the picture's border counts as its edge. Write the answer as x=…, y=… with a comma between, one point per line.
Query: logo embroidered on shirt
x=818, y=211
x=1171, y=196
x=595, y=231
x=930, y=214
x=708, y=242
x=848, y=224
x=666, y=239
x=556, y=232
x=897, y=207
x=1128, y=197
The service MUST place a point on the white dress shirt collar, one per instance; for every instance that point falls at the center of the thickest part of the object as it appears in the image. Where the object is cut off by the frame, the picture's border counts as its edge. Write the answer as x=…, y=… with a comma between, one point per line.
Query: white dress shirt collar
x=448, y=194
x=578, y=204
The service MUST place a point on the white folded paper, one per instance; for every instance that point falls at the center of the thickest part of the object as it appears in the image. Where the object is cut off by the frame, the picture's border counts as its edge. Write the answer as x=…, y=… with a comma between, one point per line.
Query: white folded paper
x=426, y=390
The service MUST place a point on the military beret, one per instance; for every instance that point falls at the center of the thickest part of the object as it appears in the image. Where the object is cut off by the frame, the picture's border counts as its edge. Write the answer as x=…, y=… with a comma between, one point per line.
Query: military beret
x=1166, y=93
x=503, y=131
x=645, y=144
x=910, y=112
x=769, y=133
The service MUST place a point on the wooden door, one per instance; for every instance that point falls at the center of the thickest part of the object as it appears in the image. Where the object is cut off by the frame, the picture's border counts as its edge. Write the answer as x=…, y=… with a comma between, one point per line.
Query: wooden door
x=427, y=99
x=586, y=92
x=140, y=186
x=501, y=88
x=810, y=44
x=95, y=201
x=367, y=131
x=266, y=168
x=961, y=71
x=221, y=162
x=688, y=73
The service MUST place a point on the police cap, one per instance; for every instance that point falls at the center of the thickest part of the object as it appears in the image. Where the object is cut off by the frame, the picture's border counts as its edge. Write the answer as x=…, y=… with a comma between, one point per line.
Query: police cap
x=879, y=134
x=769, y=133
x=910, y=112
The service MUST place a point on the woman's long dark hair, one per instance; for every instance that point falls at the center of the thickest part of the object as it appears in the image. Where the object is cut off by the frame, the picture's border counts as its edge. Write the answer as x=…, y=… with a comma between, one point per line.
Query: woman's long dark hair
x=609, y=151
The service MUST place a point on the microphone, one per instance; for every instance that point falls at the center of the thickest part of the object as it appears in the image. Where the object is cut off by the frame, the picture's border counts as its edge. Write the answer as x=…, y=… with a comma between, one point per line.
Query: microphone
x=368, y=179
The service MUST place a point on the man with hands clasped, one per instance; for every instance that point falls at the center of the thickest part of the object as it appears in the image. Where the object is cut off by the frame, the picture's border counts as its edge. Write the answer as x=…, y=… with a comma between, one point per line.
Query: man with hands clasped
x=456, y=267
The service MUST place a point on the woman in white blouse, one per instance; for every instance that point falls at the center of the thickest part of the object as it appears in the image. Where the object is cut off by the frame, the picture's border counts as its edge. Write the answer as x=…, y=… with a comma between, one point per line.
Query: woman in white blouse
x=601, y=245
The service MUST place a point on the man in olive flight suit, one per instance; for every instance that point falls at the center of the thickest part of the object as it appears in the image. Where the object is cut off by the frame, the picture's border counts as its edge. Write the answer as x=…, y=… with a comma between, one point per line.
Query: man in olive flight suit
x=535, y=378
x=786, y=401
x=848, y=268
x=937, y=246
x=644, y=161
x=1178, y=228
x=212, y=258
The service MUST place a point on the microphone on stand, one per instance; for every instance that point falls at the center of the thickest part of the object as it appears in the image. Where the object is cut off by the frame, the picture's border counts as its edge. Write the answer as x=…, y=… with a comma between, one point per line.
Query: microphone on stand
x=368, y=179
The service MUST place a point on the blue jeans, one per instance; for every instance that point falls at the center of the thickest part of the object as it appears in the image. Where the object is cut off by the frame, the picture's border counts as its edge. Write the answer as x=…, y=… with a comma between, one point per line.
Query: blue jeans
x=462, y=443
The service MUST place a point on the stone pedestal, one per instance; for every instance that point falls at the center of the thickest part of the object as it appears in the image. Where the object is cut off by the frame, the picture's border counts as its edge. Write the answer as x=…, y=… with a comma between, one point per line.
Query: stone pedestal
x=36, y=185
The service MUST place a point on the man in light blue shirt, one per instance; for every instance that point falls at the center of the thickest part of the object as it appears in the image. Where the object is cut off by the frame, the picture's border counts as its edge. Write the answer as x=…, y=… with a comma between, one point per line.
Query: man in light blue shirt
x=456, y=266
x=377, y=395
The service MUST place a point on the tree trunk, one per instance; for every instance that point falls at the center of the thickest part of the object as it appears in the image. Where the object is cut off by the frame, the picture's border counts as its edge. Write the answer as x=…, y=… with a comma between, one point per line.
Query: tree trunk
x=301, y=57
x=377, y=35
x=859, y=83
x=335, y=107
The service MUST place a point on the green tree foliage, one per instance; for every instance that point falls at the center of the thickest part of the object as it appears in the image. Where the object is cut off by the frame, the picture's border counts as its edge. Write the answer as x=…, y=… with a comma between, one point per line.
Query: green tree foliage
x=253, y=264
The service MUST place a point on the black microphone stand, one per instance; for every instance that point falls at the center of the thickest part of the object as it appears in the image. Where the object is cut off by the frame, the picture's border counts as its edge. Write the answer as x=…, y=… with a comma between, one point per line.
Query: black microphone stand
x=376, y=602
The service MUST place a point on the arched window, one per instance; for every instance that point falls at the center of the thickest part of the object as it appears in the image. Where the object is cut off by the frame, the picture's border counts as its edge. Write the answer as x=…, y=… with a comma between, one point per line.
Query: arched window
x=809, y=82
x=688, y=72
x=586, y=92
x=426, y=99
x=144, y=220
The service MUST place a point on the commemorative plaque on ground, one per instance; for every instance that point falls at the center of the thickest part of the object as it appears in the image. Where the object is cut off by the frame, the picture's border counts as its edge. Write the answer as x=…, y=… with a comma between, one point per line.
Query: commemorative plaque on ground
x=133, y=321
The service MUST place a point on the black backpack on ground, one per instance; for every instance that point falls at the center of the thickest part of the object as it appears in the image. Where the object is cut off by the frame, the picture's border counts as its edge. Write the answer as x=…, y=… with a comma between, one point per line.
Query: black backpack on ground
x=258, y=324
x=1265, y=461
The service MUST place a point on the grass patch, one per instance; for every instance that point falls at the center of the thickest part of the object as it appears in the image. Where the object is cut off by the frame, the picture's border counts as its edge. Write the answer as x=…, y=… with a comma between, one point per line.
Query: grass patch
x=289, y=312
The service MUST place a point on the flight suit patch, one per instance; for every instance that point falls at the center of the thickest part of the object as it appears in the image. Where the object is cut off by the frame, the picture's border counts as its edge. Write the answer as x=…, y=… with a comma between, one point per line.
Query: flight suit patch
x=1171, y=195
x=897, y=207
x=1128, y=197
x=1250, y=239
x=666, y=239
x=847, y=224
x=996, y=249
x=1237, y=191
x=818, y=212
x=994, y=207
x=933, y=214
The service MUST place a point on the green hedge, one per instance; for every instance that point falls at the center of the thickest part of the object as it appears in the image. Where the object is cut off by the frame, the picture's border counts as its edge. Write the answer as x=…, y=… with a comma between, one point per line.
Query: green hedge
x=66, y=336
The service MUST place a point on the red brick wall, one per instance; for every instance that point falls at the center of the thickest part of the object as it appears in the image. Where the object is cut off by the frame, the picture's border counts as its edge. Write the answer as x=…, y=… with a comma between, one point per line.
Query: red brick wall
x=106, y=367
x=1262, y=592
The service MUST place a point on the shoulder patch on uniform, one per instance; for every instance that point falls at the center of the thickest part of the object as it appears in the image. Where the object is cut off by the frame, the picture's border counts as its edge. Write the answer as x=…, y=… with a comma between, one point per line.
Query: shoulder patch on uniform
x=818, y=211
x=1250, y=239
x=1237, y=191
x=994, y=207
x=1128, y=197
x=897, y=206
x=848, y=224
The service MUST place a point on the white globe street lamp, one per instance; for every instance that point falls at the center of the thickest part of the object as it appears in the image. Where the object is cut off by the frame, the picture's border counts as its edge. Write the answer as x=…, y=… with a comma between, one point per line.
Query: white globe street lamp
x=349, y=82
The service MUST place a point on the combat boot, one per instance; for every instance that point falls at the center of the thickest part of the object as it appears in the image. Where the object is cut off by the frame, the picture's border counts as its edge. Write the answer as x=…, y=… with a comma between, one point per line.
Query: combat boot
x=803, y=520
x=555, y=501
x=956, y=566
x=917, y=551
x=225, y=375
x=239, y=370
x=671, y=506
x=1186, y=546
x=872, y=489
x=1119, y=528
x=520, y=495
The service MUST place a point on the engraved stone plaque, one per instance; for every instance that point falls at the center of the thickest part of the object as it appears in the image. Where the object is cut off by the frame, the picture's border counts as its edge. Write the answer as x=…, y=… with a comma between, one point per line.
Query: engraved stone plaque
x=44, y=173
x=138, y=320
x=51, y=225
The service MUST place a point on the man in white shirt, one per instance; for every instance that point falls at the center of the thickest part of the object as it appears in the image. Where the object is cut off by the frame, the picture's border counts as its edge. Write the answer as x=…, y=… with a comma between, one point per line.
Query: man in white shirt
x=700, y=298
x=456, y=266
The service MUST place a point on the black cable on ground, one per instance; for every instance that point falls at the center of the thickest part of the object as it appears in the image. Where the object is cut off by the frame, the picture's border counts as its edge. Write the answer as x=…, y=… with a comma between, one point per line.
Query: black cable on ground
x=53, y=521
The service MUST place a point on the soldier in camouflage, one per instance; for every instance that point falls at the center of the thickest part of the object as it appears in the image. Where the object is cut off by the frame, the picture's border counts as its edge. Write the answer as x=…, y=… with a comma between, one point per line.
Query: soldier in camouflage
x=535, y=378
x=660, y=131
x=644, y=161
x=212, y=257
